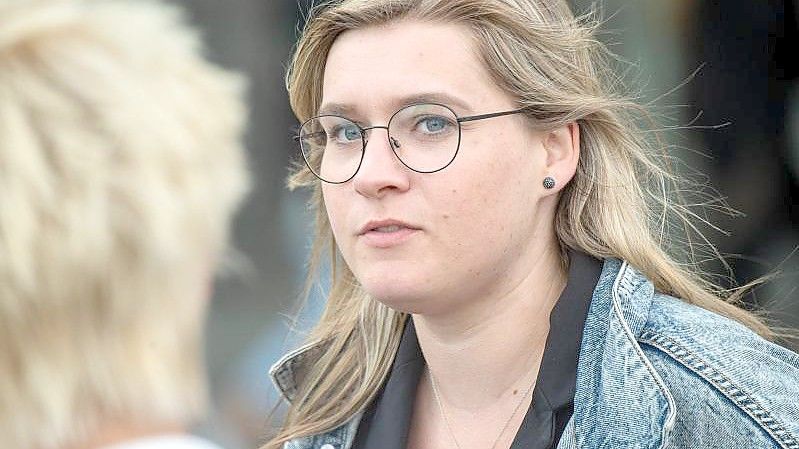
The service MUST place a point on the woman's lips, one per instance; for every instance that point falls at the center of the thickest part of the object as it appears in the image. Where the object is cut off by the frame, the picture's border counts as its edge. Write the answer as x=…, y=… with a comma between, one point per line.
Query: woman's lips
x=386, y=233
x=388, y=236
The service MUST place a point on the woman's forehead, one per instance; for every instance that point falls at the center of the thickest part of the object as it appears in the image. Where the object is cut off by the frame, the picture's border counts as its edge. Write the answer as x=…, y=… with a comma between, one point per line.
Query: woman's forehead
x=393, y=65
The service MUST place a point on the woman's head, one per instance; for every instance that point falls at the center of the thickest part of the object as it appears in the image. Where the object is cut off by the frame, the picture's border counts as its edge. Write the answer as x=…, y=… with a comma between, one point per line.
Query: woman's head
x=470, y=229
x=121, y=164
x=487, y=214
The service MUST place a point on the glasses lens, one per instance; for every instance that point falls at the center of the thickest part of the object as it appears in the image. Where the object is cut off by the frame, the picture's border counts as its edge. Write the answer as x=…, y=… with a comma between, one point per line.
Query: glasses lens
x=425, y=137
x=332, y=147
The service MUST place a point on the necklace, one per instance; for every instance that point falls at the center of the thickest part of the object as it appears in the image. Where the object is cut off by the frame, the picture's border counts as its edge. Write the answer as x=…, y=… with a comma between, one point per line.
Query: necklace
x=446, y=420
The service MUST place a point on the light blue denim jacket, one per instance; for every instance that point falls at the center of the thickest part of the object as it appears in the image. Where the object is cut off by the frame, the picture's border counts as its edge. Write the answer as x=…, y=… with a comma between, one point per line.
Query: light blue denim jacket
x=654, y=372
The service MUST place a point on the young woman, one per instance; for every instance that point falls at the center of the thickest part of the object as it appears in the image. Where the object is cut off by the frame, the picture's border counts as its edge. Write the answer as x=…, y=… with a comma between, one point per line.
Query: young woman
x=498, y=226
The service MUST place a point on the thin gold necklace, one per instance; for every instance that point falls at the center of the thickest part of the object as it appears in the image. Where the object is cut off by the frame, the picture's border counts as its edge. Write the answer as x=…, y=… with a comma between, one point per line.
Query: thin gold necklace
x=446, y=420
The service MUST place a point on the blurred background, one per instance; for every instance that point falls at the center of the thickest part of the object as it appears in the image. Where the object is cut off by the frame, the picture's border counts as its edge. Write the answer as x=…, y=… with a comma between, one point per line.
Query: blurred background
x=744, y=75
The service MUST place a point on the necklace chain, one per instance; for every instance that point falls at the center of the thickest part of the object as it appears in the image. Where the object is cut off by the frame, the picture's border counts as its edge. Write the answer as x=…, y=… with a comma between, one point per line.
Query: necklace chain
x=446, y=419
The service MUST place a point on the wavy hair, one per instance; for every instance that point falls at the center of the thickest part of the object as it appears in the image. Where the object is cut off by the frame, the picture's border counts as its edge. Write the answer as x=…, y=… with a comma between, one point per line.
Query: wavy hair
x=622, y=202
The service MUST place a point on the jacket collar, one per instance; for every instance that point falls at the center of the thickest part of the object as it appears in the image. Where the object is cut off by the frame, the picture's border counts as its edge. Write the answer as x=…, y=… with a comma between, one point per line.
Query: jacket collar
x=621, y=401
x=289, y=371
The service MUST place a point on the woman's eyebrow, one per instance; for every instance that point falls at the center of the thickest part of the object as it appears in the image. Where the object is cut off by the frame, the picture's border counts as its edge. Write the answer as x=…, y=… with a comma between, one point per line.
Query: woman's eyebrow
x=342, y=109
x=347, y=109
x=435, y=97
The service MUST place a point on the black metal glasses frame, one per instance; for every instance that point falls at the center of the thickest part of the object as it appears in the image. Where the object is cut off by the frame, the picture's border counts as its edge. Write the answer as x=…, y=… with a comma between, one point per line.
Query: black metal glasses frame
x=393, y=143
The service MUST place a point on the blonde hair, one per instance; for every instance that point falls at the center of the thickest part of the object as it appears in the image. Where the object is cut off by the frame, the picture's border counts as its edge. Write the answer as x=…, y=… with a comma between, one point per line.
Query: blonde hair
x=121, y=164
x=619, y=204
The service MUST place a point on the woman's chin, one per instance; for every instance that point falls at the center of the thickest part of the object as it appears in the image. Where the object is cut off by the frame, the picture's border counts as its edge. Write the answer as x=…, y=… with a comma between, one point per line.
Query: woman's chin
x=401, y=302
x=404, y=286
x=399, y=297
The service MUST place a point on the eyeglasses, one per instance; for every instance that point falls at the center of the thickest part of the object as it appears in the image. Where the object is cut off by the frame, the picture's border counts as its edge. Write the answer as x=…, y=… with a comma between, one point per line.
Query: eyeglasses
x=424, y=137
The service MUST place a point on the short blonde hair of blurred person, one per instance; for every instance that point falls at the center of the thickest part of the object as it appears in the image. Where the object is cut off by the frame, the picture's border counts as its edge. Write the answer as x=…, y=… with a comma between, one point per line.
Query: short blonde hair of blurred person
x=121, y=164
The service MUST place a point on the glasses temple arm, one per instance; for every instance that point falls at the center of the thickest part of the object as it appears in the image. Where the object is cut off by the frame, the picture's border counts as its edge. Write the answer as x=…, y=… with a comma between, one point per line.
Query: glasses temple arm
x=472, y=118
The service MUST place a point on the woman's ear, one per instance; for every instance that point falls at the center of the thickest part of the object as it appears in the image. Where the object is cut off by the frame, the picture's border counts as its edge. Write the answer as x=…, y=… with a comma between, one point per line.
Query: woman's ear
x=562, y=146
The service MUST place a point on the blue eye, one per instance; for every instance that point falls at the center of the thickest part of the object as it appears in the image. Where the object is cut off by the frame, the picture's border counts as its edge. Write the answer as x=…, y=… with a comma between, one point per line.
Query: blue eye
x=433, y=124
x=346, y=133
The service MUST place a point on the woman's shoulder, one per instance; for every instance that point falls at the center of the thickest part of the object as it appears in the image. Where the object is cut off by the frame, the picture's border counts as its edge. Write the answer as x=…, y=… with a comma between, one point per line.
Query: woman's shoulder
x=686, y=331
x=714, y=365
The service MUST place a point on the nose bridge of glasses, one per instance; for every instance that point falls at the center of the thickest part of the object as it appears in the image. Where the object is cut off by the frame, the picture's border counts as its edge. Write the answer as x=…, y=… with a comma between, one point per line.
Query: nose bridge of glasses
x=377, y=155
x=395, y=144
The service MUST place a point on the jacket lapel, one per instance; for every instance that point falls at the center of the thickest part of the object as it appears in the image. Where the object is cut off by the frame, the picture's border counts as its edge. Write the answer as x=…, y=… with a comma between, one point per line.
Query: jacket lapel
x=621, y=401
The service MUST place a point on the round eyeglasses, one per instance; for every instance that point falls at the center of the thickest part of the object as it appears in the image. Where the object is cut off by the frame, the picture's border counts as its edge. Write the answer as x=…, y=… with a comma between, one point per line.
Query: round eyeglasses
x=424, y=137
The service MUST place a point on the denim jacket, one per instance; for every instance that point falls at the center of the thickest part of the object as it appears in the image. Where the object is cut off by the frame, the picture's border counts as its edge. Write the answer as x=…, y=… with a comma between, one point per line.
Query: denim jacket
x=654, y=372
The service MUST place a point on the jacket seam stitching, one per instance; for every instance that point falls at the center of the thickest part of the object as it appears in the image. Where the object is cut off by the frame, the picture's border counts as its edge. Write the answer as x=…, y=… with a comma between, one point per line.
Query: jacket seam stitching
x=631, y=337
x=738, y=396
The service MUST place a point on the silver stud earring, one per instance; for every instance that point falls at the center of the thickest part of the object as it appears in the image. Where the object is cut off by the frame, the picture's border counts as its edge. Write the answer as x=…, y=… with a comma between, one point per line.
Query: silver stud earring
x=549, y=182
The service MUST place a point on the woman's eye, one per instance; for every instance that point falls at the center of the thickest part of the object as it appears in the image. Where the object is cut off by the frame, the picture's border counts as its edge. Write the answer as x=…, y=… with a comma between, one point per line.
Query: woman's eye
x=432, y=125
x=346, y=133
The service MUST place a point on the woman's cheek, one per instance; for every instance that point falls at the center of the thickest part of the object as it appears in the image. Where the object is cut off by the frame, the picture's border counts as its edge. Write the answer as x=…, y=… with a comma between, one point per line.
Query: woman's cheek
x=335, y=215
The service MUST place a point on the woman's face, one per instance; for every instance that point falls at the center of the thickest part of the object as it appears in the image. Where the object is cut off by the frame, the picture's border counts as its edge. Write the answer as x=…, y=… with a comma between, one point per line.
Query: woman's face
x=419, y=242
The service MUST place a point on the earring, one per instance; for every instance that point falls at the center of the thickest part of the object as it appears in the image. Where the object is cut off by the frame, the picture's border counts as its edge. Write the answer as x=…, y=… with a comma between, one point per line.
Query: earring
x=549, y=182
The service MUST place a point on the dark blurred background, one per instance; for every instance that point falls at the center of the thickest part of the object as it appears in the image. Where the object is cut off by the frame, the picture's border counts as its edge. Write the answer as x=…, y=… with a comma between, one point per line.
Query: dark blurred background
x=747, y=78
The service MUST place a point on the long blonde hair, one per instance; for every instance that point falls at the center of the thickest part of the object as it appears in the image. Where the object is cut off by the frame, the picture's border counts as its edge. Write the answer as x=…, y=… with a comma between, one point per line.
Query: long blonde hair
x=620, y=204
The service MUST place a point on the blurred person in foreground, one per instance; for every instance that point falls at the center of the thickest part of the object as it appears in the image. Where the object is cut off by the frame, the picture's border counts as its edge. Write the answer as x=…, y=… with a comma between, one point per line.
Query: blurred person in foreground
x=121, y=164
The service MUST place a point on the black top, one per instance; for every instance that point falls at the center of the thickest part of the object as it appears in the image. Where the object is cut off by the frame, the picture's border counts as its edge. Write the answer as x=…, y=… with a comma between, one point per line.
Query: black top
x=386, y=421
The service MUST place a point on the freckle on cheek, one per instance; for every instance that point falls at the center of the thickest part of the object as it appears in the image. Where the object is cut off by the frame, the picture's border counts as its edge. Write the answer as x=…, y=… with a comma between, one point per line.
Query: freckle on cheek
x=446, y=216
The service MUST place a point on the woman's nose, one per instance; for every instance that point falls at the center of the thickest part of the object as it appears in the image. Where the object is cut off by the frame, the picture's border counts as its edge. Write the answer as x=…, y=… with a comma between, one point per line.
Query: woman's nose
x=381, y=171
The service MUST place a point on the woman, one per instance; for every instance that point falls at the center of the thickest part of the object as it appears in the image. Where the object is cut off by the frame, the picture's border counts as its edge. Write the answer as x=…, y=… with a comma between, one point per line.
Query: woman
x=500, y=274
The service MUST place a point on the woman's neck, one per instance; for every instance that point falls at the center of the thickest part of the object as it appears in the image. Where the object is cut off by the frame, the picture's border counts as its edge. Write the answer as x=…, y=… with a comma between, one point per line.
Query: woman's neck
x=492, y=346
